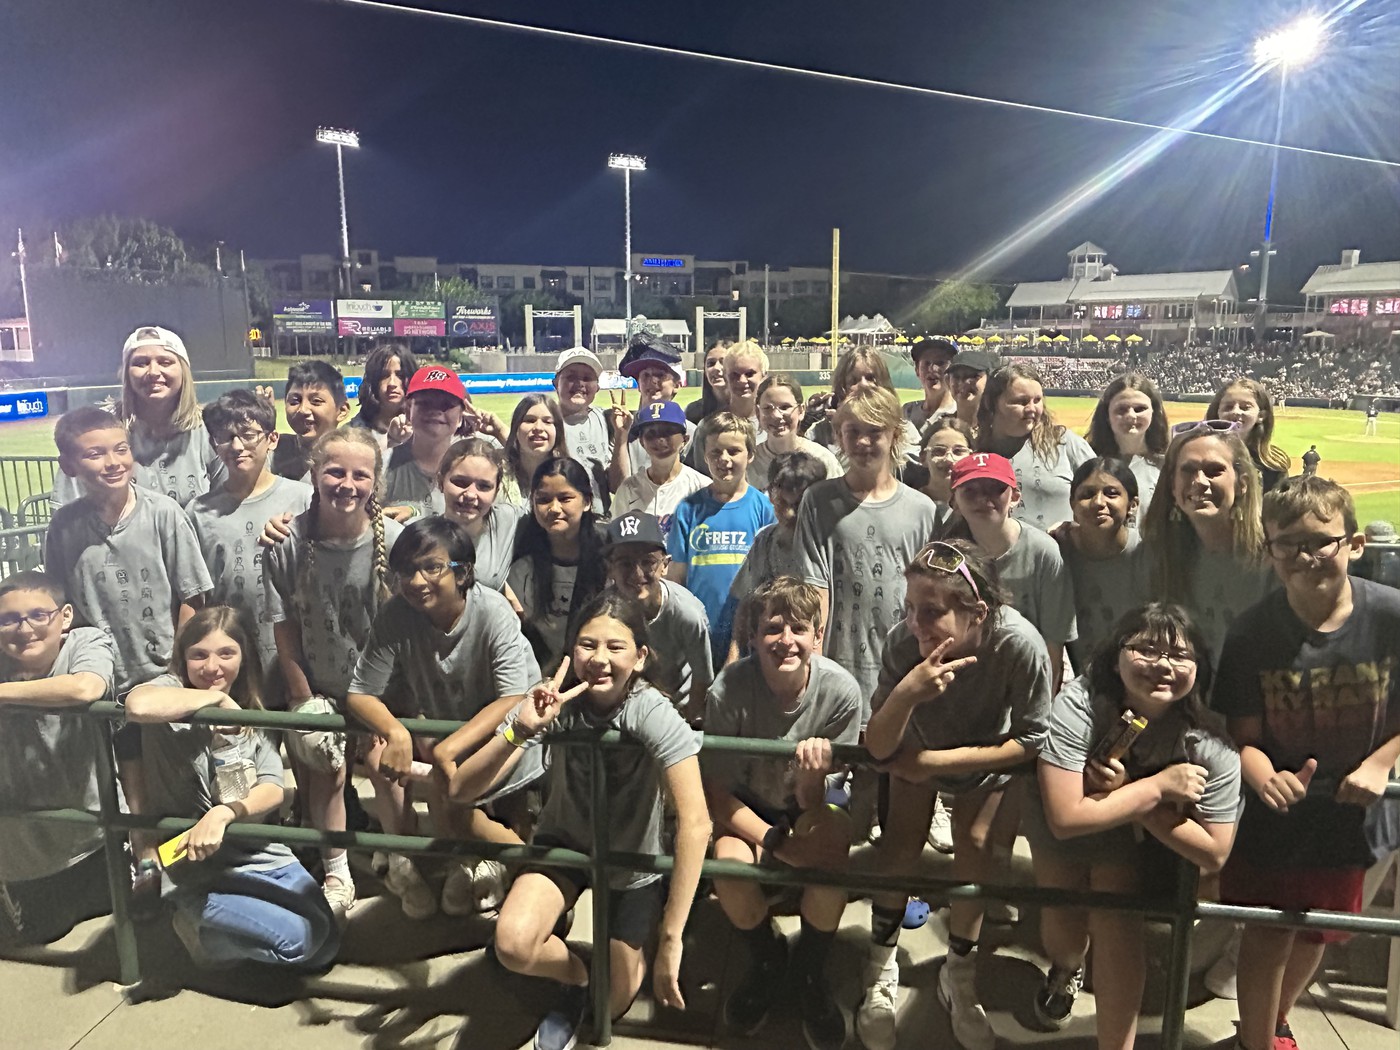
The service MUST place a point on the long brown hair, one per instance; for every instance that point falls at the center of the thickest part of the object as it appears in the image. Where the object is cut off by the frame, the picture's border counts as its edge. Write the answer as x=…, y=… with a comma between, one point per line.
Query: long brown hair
x=1260, y=439
x=512, y=446
x=1100, y=435
x=1045, y=438
x=247, y=688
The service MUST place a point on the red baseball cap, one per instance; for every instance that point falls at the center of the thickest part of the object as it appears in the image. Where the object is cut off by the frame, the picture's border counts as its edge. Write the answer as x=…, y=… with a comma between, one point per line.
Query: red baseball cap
x=435, y=377
x=984, y=465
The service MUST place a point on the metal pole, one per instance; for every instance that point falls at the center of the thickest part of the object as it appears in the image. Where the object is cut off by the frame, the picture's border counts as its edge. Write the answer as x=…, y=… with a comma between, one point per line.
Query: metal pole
x=1261, y=314
x=23, y=290
x=766, y=329
x=1179, y=961
x=835, y=290
x=601, y=976
x=344, y=222
x=627, y=251
x=114, y=853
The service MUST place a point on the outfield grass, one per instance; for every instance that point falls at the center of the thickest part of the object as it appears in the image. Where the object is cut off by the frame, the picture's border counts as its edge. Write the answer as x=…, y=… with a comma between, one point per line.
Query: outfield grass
x=1368, y=466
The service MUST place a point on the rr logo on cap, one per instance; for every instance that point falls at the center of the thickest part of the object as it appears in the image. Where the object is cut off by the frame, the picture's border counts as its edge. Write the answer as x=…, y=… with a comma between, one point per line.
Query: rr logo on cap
x=629, y=525
x=437, y=375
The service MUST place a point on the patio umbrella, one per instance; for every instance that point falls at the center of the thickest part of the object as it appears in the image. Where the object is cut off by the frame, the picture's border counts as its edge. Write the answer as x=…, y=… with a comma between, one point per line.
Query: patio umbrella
x=1090, y=338
x=964, y=340
x=1113, y=339
x=977, y=340
x=786, y=340
x=900, y=340
x=1042, y=339
x=1134, y=338
x=820, y=340
x=993, y=338
x=1060, y=339
x=1020, y=339
x=1317, y=333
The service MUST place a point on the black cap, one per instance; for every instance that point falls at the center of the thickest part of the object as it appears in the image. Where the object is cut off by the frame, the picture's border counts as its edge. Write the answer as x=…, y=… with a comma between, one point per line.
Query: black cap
x=924, y=344
x=645, y=350
x=635, y=527
x=977, y=360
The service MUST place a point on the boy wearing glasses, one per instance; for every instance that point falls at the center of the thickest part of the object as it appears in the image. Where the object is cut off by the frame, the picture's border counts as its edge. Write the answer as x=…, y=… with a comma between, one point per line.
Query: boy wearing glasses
x=52, y=876
x=677, y=625
x=228, y=519
x=1311, y=691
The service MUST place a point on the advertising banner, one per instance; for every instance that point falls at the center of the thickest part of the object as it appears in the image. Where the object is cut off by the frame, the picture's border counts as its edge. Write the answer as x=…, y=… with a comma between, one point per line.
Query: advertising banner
x=303, y=317
x=31, y=405
x=472, y=322
x=364, y=316
x=419, y=317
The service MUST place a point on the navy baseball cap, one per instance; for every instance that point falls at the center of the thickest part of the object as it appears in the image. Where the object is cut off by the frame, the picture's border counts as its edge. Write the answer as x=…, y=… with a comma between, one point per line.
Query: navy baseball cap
x=659, y=412
x=635, y=527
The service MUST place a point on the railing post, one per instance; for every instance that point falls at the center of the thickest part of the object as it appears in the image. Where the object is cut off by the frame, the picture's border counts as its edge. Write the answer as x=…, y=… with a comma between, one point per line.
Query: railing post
x=1179, y=961
x=601, y=976
x=118, y=872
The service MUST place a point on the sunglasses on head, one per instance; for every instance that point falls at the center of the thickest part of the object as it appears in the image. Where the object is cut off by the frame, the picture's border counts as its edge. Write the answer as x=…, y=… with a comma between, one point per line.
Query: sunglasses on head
x=1211, y=426
x=945, y=558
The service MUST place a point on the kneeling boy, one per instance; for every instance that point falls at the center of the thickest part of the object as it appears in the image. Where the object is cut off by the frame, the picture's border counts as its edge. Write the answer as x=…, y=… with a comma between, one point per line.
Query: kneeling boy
x=765, y=812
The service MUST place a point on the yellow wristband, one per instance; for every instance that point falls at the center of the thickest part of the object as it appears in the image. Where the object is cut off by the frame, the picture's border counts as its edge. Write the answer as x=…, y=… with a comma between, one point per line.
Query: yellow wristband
x=513, y=738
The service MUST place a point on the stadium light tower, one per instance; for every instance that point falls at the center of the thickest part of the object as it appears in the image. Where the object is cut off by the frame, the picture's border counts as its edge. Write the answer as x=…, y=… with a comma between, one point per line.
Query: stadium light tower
x=341, y=139
x=627, y=163
x=1289, y=48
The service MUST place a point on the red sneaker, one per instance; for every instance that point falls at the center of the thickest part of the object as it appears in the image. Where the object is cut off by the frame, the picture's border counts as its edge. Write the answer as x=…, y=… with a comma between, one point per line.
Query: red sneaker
x=1283, y=1037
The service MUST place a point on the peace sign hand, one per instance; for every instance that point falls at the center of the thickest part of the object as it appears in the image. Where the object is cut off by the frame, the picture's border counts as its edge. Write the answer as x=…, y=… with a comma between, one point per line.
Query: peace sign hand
x=400, y=430
x=543, y=703
x=931, y=677
x=619, y=416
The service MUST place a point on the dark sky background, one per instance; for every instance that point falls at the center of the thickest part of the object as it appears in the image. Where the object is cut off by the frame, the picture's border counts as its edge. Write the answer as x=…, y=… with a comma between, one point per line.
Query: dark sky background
x=490, y=145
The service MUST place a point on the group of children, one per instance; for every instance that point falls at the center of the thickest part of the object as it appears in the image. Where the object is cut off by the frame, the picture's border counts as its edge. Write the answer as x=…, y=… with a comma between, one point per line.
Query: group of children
x=1098, y=644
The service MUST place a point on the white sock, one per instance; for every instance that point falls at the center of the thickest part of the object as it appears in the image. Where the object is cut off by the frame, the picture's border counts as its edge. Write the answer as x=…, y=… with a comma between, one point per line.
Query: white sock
x=882, y=959
x=339, y=866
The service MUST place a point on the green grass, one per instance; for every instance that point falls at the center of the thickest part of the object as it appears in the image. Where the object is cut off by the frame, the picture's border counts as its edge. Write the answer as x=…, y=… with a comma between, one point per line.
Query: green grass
x=1368, y=466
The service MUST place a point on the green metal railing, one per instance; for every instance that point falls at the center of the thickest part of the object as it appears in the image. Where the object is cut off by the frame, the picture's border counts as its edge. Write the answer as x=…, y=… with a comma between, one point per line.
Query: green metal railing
x=1179, y=910
x=22, y=477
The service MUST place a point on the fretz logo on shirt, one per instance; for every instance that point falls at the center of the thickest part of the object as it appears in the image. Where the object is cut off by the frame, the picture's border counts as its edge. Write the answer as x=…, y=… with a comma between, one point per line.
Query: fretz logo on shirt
x=702, y=538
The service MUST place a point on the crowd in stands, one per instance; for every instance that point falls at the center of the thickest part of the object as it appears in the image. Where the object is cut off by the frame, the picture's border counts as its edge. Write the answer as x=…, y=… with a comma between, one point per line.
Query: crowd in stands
x=1140, y=647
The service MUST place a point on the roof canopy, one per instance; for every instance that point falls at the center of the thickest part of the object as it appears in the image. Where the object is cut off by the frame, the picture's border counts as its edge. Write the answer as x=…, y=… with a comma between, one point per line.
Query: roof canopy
x=862, y=325
x=1087, y=248
x=1041, y=293
x=617, y=326
x=1137, y=287
x=1361, y=279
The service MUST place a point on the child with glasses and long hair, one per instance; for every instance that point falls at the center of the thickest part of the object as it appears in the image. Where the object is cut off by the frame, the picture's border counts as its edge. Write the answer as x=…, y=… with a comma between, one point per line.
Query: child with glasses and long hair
x=1108, y=815
x=961, y=707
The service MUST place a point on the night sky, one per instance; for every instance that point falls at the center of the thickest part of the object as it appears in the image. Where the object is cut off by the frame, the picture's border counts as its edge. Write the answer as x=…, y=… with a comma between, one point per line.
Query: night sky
x=490, y=145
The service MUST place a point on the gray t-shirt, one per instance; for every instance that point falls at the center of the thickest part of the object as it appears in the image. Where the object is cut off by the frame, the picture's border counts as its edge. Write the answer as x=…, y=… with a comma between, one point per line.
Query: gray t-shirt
x=774, y=553
x=1004, y=696
x=858, y=551
x=634, y=776
x=405, y=484
x=1219, y=588
x=182, y=467
x=1045, y=486
x=590, y=442
x=680, y=644
x=178, y=759
x=762, y=463
x=1104, y=589
x=129, y=579
x=1079, y=721
x=740, y=703
x=551, y=623
x=1035, y=574
x=824, y=433
x=48, y=761
x=1147, y=472
x=495, y=547
x=228, y=531
x=334, y=619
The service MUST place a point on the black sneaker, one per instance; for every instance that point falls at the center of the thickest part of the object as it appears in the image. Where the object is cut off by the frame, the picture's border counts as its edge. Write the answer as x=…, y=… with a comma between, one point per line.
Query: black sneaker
x=823, y=1023
x=1055, y=1000
x=747, y=1006
x=562, y=1026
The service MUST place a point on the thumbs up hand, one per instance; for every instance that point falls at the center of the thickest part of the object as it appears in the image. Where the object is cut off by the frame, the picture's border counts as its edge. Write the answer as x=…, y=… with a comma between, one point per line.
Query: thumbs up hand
x=1284, y=789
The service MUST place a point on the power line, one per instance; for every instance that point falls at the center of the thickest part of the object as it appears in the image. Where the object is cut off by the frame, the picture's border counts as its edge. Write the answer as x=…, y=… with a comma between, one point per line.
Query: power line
x=847, y=78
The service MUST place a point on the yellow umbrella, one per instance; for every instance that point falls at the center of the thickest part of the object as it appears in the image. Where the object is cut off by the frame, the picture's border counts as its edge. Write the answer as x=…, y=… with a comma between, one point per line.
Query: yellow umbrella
x=964, y=340
x=993, y=338
x=1113, y=339
x=900, y=340
x=1090, y=338
x=1042, y=339
x=1060, y=339
x=1134, y=338
x=1020, y=339
x=820, y=340
x=786, y=340
x=977, y=340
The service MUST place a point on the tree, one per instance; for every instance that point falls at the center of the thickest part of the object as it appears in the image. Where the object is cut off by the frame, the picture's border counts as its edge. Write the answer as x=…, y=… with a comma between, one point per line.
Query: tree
x=136, y=248
x=952, y=307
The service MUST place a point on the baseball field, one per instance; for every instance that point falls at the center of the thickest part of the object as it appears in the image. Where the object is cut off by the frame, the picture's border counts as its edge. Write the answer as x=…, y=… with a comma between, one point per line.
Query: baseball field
x=1368, y=466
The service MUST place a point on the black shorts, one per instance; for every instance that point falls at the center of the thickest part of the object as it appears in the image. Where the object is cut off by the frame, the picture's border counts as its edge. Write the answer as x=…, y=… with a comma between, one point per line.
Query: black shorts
x=633, y=914
x=40, y=911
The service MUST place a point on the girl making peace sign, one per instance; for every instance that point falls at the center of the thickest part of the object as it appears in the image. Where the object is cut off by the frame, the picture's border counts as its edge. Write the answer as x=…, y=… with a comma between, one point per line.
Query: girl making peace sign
x=962, y=704
x=610, y=691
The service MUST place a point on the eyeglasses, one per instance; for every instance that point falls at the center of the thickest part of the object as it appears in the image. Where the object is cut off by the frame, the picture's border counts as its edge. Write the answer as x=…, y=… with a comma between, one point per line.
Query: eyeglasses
x=249, y=439
x=1147, y=653
x=1317, y=548
x=942, y=451
x=945, y=558
x=36, y=618
x=650, y=565
x=1211, y=426
x=431, y=571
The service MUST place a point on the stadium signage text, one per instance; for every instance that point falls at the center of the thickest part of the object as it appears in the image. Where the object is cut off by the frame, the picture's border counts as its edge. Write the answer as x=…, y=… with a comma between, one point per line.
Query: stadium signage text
x=30, y=405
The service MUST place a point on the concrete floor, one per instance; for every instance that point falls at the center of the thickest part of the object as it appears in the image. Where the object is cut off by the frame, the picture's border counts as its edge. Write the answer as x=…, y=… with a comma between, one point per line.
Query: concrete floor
x=430, y=985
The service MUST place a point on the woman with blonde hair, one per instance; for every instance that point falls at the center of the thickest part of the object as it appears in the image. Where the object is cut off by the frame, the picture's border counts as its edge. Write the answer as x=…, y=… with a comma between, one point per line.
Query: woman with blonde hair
x=1014, y=421
x=1246, y=401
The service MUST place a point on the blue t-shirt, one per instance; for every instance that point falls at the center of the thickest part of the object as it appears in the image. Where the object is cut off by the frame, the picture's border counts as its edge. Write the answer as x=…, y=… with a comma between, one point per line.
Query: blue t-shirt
x=710, y=539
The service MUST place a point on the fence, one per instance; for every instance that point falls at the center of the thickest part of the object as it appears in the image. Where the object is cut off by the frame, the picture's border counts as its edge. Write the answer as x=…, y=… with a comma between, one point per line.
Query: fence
x=1180, y=910
x=21, y=479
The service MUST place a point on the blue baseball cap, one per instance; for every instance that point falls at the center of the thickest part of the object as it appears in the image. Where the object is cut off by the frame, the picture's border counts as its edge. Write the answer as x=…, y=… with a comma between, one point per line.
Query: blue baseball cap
x=659, y=412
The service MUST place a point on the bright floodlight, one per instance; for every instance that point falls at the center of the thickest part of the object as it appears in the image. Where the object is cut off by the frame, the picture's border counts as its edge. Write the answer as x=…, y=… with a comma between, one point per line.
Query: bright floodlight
x=339, y=137
x=627, y=162
x=1294, y=45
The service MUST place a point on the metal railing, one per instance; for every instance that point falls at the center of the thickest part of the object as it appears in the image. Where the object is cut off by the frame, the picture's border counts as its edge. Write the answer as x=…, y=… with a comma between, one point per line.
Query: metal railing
x=20, y=548
x=1179, y=910
x=24, y=476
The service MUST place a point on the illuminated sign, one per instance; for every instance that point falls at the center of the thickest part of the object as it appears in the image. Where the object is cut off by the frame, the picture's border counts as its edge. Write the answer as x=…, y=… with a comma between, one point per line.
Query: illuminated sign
x=1355, y=307
x=660, y=262
x=23, y=406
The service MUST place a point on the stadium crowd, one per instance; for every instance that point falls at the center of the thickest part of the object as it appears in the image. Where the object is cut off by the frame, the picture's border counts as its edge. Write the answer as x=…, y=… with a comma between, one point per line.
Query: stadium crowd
x=1138, y=647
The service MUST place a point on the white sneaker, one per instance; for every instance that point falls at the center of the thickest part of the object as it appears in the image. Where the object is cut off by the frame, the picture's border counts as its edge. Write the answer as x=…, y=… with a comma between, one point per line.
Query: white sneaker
x=1000, y=913
x=340, y=895
x=1220, y=978
x=940, y=830
x=458, y=897
x=959, y=997
x=876, y=1016
x=379, y=862
x=489, y=885
x=404, y=882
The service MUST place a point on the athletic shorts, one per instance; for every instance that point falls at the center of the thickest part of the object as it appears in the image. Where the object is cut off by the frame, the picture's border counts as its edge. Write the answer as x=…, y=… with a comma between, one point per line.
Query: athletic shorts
x=633, y=914
x=1295, y=889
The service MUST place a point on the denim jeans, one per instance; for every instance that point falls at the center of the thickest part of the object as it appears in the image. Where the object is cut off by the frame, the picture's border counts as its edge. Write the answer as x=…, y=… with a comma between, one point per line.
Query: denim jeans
x=278, y=916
